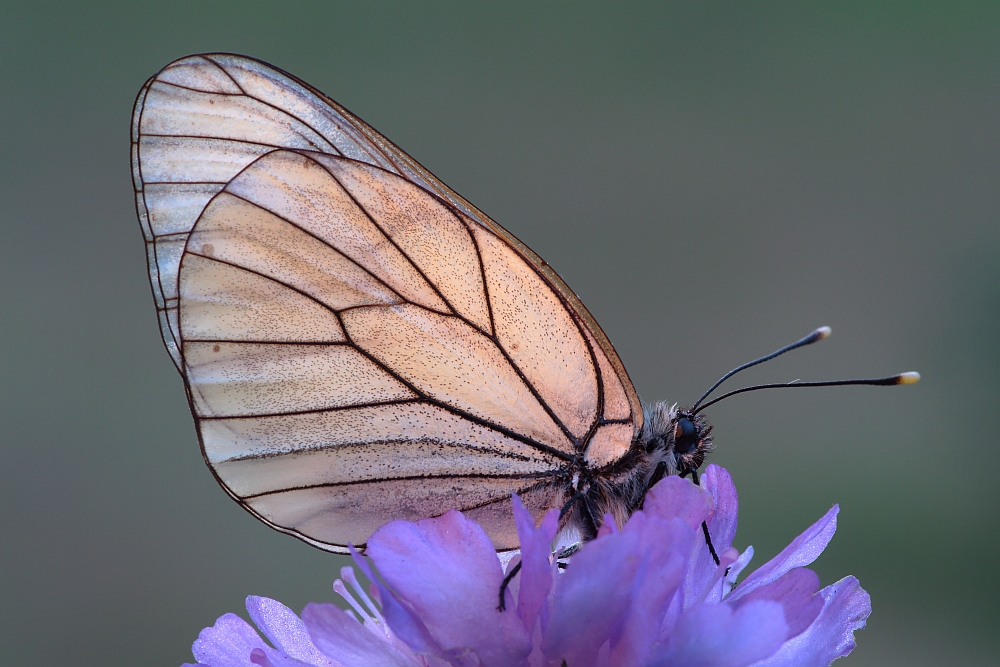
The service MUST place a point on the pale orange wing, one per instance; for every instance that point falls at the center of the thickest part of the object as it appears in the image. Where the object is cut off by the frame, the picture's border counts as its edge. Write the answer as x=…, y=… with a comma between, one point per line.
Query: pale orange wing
x=359, y=344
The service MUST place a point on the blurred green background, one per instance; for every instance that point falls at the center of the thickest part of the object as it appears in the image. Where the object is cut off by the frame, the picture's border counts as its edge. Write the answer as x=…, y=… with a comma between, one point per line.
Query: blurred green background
x=714, y=180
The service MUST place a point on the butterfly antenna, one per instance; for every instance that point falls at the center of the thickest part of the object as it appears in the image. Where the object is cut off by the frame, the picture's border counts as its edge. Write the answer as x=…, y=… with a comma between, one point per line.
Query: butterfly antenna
x=819, y=334
x=902, y=378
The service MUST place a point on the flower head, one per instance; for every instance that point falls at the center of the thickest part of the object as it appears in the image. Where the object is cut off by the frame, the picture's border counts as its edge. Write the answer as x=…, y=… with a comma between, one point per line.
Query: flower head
x=647, y=594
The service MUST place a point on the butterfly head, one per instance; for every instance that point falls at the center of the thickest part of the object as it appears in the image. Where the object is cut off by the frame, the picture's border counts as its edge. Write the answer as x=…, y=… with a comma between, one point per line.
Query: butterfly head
x=675, y=441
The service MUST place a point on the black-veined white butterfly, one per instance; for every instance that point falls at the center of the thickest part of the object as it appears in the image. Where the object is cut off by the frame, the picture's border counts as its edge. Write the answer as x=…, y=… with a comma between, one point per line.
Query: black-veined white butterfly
x=358, y=342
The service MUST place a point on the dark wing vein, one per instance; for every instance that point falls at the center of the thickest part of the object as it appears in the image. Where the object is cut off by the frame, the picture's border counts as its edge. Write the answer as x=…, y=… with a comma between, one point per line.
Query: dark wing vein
x=327, y=244
x=327, y=485
x=353, y=444
x=454, y=410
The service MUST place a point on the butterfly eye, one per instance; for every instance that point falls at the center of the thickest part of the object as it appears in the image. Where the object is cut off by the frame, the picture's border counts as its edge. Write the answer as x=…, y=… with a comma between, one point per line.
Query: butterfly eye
x=685, y=436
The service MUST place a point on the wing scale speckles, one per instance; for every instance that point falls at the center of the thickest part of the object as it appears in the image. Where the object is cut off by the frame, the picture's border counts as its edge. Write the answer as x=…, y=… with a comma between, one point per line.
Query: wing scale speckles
x=358, y=341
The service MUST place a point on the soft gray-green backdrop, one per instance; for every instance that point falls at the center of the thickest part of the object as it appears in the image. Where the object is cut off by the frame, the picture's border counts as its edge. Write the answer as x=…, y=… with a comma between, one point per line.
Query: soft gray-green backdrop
x=714, y=180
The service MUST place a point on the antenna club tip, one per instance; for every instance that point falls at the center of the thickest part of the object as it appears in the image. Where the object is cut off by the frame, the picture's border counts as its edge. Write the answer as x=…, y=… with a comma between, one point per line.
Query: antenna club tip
x=909, y=378
x=822, y=332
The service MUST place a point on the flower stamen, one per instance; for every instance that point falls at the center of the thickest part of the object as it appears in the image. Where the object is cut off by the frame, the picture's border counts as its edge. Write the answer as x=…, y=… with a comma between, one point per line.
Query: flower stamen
x=347, y=574
x=340, y=589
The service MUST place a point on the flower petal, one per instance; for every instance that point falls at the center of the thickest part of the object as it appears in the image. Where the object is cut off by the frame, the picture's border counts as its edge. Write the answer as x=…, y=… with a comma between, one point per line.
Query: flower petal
x=342, y=637
x=729, y=581
x=717, y=635
x=803, y=550
x=725, y=506
x=536, y=571
x=796, y=592
x=591, y=598
x=448, y=572
x=402, y=620
x=664, y=548
x=276, y=659
x=285, y=630
x=228, y=643
x=721, y=528
x=673, y=497
x=608, y=525
x=846, y=609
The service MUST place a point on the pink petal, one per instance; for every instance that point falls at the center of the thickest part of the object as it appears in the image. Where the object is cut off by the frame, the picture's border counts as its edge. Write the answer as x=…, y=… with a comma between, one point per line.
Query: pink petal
x=831, y=636
x=343, y=638
x=673, y=497
x=803, y=550
x=447, y=571
x=536, y=571
x=716, y=635
x=591, y=599
x=285, y=630
x=228, y=643
x=796, y=592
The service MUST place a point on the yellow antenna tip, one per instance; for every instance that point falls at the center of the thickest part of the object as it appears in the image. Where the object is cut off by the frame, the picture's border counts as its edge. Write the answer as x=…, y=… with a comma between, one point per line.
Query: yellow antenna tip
x=909, y=378
x=822, y=332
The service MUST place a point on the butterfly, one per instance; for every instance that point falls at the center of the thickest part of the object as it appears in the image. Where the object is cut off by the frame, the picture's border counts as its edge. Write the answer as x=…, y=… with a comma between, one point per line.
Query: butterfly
x=358, y=342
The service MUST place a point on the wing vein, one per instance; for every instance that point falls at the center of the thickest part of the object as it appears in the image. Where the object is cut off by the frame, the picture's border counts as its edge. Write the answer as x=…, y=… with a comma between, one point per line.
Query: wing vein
x=266, y=277
x=482, y=273
x=507, y=357
x=266, y=342
x=348, y=445
x=532, y=487
x=324, y=242
x=450, y=408
x=188, y=182
x=356, y=124
x=327, y=485
x=315, y=411
x=198, y=90
x=212, y=137
x=306, y=123
x=154, y=259
x=391, y=240
x=599, y=412
x=457, y=314
x=339, y=110
x=226, y=72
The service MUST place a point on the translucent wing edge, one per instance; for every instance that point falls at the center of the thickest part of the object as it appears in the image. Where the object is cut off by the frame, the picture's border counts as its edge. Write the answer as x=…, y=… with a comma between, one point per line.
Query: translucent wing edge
x=152, y=269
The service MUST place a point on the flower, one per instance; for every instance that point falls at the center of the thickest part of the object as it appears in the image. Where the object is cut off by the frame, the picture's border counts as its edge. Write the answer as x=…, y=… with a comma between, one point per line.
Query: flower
x=649, y=594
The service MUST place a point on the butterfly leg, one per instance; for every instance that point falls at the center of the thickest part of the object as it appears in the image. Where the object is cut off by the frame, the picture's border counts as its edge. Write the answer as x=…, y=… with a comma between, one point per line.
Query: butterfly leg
x=517, y=568
x=506, y=582
x=704, y=525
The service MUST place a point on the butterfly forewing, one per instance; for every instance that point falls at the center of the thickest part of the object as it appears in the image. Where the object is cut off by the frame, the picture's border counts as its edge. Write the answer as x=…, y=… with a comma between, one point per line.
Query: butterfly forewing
x=358, y=342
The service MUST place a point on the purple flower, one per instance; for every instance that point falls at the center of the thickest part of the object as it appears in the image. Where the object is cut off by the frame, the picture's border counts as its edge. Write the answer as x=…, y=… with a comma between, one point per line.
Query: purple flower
x=647, y=594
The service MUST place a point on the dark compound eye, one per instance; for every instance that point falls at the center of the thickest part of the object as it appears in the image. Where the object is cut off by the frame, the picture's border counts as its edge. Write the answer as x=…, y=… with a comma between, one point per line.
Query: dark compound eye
x=685, y=436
